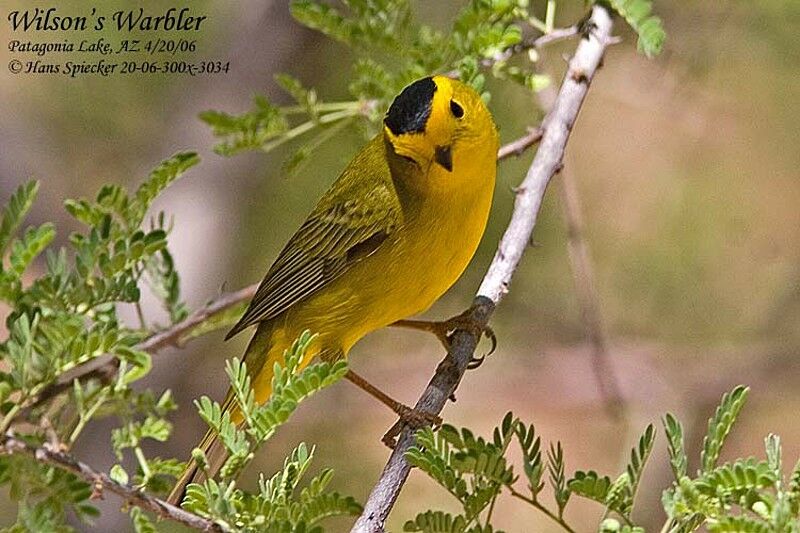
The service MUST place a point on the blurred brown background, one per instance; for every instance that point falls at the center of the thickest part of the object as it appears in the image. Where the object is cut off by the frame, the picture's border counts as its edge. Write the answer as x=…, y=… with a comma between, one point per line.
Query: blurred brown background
x=687, y=169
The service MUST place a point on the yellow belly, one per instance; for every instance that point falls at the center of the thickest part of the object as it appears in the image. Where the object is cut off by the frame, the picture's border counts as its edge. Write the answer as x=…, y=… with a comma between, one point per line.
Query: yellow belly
x=403, y=278
x=410, y=271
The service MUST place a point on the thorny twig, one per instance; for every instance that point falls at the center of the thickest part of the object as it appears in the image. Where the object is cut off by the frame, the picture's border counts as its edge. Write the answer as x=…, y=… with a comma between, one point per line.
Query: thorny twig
x=52, y=454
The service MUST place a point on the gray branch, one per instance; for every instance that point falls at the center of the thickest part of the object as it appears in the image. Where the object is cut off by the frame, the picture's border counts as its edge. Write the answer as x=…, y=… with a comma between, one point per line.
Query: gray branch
x=547, y=162
x=50, y=454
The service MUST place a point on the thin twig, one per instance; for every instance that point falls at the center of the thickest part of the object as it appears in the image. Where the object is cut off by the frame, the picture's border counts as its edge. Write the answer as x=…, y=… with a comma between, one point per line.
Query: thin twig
x=558, y=34
x=585, y=286
x=547, y=512
x=100, y=481
x=107, y=368
x=557, y=127
x=588, y=299
x=518, y=146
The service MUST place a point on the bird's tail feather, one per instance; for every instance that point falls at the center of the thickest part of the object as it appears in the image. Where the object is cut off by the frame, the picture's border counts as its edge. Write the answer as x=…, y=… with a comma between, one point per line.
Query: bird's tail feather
x=259, y=357
x=216, y=455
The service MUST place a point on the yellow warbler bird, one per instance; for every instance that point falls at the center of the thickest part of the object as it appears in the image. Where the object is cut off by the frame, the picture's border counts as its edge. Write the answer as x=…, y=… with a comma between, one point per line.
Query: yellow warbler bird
x=389, y=237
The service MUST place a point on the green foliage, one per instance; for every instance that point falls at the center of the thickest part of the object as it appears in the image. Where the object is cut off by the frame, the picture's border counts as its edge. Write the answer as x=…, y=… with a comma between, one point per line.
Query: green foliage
x=531, y=445
x=14, y=213
x=590, y=485
x=141, y=523
x=279, y=504
x=744, y=495
x=67, y=316
x=45, y=494
x=720, y=426
x=441, y=522
x=474, y=470
x=555, y=467
x=637, y=13
x=617, y=496
x=485, y=39
x=160, y=178
x=292, y=382
x=675, y=447
x=23, y=250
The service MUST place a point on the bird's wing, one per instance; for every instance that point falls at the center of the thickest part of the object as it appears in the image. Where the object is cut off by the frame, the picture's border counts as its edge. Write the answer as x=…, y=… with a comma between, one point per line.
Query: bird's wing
x=345, y=227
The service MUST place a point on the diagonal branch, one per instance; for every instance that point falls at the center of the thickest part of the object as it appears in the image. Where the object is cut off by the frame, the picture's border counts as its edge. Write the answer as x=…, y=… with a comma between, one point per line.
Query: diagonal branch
x=106, y=369
x=557, y=126
x=99, y=481
x=589, y=300
x=585, y=286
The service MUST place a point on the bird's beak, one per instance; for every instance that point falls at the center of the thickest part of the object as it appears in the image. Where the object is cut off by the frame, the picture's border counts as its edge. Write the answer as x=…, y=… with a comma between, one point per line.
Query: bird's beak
x=444, y=156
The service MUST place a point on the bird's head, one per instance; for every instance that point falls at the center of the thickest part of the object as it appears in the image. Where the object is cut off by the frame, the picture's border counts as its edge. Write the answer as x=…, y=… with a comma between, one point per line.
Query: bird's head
x=439, y=121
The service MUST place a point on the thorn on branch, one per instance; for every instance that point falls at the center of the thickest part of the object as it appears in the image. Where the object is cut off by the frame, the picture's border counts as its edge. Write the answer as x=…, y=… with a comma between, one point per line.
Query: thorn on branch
x=97, y=490
x=579, y=76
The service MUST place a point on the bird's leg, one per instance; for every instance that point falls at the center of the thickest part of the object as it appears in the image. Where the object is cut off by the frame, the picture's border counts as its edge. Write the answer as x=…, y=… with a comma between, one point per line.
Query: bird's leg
x=445, y=329
x=412, y=417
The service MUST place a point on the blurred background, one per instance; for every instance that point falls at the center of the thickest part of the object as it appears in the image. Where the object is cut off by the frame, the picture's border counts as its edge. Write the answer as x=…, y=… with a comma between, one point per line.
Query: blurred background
x=687, y=173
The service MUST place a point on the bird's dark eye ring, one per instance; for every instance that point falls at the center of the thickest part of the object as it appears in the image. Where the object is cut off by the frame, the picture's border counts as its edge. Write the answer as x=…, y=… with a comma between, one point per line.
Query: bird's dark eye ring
x=456, y=109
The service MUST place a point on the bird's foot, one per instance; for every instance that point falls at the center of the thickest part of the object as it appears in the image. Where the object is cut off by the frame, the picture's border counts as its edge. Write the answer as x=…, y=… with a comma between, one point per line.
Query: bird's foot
x=413, y=418
x=445, y=329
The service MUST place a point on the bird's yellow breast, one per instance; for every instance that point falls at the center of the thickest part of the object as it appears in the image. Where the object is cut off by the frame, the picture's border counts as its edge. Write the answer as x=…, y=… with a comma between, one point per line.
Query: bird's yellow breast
x=424, y=258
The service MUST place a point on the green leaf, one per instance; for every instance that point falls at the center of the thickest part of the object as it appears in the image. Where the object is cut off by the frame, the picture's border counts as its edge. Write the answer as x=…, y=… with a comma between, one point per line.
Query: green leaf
x=432, y=455
x=436, y=522
x=675, y=447
x=531, y=457
x=794, y=488
x=734, y=480
x=738, y=524
x=30, y=245
x=155, y=428
x=639, y=456
x=555, y=467
x=247, y=131
x=720, y=425
x=619, y=496
x=321, y=17
x=241, y=386
x=119, y=475
x=648, y=27
x=14, y=213
x=141, y=522
x=160, y=178
x=317, y=505
x=772, y=444
x=590, y=485
x=141, y=363
x=480, y=458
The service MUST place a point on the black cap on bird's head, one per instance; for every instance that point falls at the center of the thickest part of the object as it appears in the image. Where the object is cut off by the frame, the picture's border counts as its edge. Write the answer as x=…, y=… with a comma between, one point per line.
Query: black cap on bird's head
x=411, y=109
x=436, y=123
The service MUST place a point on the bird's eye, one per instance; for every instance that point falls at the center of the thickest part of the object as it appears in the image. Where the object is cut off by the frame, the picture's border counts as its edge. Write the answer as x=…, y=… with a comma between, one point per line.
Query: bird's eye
x=456, y=109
